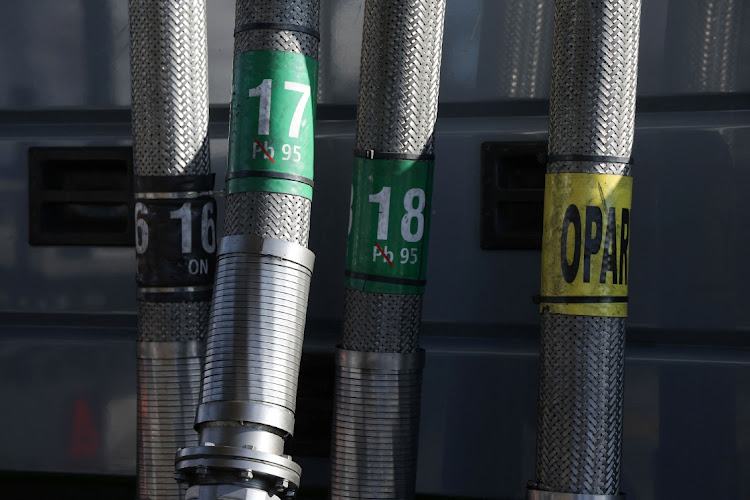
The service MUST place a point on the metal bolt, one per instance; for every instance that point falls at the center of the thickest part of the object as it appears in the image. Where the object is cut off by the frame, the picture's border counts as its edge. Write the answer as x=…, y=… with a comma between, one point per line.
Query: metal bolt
x=201, y=471
x=248, y=446
x=207, y=443
x=246, y=474
x=281, y=485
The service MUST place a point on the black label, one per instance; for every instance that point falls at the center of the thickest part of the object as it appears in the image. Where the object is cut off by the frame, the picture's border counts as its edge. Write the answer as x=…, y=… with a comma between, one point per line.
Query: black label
x=175, y=242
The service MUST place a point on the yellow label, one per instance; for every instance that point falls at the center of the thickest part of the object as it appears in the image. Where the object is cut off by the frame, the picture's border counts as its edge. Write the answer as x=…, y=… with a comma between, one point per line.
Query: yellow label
x=586, y=244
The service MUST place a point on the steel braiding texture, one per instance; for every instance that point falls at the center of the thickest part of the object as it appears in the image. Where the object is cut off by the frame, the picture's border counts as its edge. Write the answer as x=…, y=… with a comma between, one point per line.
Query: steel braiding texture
x=169, y=87
x=268, y=215
x=170, y=138
x=581, y=395
x=258, y=312
x=398, y=93
x=592, y=113
x=378, y=390
x=277, y=215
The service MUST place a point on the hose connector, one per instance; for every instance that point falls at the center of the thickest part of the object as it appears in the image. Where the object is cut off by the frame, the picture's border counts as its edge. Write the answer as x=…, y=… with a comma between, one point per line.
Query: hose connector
x=253, y=352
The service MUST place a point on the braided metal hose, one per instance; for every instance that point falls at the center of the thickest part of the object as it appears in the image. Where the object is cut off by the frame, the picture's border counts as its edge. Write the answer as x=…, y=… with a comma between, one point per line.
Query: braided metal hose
x=175, y=224
x=585, y=249
x=379, y=364
x=257, y=318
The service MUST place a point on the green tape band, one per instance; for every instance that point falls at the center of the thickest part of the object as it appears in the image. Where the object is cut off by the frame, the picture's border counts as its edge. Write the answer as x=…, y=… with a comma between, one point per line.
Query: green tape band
x=271, y=129
x=389, y=228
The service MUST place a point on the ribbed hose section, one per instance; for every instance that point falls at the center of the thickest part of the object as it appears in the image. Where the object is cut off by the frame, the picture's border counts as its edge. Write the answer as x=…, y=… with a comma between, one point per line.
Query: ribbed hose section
x=592, y=111
x=170, y=138
x=379, y=368
x=376, y=424
x=257, y=327
x=168, y=385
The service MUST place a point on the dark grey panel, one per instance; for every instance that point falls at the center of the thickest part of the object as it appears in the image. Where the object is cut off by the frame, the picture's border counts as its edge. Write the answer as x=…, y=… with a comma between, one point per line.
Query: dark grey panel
x=688, y=251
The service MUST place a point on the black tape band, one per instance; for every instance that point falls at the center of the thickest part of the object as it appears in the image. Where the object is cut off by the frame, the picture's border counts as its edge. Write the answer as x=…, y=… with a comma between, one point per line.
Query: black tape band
x=384, y=279
x=601, y=299
x=375, y=155
x=175, y=244
x=590, y=158
x=277, y=26
x=173, y=183
x=270, y=174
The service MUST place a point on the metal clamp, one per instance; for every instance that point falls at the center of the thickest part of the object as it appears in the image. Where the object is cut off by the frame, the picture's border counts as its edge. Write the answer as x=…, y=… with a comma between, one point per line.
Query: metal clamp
x=246, y=411
x=254, y=244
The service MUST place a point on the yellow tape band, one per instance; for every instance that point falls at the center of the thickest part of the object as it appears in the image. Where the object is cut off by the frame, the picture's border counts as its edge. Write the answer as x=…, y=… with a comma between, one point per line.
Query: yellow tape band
x=586, y=244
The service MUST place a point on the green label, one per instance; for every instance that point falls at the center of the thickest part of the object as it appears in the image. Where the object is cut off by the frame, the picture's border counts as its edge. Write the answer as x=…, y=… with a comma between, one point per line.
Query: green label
x=389, y=226
x=271, y=130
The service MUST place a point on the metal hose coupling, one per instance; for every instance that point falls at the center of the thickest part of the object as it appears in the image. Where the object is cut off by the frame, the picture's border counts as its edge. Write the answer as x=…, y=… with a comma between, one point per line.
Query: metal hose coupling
x=249, y=391
x=377, y=412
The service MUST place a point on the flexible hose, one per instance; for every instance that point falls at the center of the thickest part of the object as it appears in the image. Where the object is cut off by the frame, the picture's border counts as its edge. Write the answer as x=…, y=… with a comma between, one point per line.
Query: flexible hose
x=379, y=365
x=586, y=247
x=176, y=229
x=257, y=319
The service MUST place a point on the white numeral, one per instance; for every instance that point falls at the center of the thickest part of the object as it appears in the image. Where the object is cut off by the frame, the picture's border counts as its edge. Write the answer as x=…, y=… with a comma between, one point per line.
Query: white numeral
x=187, y=230
x=264, y=110
x=141, y=229
x=413, y=212
x=409, y=255
x=208, y=228
x=383, y=199
x=300, y=109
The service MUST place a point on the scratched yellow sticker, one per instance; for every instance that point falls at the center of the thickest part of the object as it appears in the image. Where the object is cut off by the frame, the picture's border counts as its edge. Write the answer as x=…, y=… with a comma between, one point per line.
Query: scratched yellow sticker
x=586, y=244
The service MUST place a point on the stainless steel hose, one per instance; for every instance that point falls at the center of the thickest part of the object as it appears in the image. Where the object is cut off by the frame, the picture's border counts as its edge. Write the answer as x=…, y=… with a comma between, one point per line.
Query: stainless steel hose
x=586, y=248
x=175, y=226
x=257, y=319
x=379, y=364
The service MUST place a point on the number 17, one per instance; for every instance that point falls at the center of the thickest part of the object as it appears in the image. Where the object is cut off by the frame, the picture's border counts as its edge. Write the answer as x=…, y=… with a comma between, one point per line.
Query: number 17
x=264, y=110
